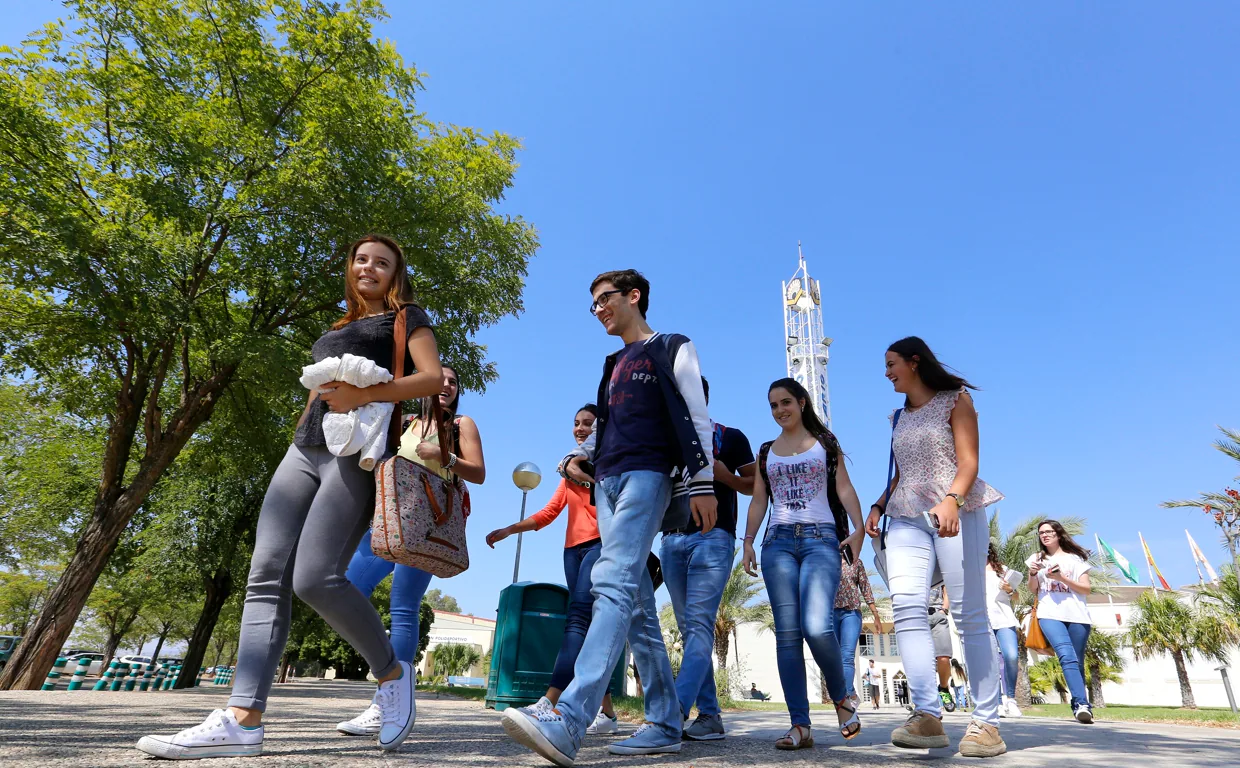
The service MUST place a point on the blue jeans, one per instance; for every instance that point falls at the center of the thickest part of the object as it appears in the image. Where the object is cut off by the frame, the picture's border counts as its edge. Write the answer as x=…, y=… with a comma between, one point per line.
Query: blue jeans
x=696, y=567
x=1007, y=640
x=1068, y=638
x=630, y=513
x=848, y=632
x=367, y=569
x=801, y=568
x=578, y=564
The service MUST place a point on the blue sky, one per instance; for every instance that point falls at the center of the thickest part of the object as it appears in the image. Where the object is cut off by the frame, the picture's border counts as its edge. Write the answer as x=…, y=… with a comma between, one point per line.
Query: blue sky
x=1047, y=194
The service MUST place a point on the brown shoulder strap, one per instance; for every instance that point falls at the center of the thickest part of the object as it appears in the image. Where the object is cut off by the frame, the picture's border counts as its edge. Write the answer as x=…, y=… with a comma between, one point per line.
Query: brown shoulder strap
x=399, y=340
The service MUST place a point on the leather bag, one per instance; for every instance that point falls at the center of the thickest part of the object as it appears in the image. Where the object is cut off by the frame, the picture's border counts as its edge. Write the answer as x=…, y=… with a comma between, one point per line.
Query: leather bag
x=1034, y=639
x=419, y=517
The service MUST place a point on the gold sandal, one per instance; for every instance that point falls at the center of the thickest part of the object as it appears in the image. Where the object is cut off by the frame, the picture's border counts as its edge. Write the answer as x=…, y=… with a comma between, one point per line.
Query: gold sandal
x=793, y=739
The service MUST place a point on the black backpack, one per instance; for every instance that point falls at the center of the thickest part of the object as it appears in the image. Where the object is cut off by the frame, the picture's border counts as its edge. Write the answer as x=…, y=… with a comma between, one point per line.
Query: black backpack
x=833, y=499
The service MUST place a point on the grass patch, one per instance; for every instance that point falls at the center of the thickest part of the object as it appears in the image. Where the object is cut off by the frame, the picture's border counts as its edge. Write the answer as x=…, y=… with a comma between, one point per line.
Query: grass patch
x=460, y=692
x=1211, y=717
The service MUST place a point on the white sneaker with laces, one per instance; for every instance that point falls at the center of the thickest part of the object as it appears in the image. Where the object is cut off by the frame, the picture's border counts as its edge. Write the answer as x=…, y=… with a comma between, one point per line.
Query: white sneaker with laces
x=220, y=735
x=542, y=705
x=366, y=724
x=1013, y=709
x=603, y=725
x=397, y=707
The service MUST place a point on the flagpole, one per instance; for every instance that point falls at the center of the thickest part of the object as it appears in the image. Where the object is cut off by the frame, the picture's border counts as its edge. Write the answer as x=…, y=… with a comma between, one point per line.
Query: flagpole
x=1110, y=601
x=1201, y=581
x=1149, y=561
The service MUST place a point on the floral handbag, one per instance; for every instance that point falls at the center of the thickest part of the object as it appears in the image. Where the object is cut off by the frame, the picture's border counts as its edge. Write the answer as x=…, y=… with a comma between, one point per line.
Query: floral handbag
x=419, y=516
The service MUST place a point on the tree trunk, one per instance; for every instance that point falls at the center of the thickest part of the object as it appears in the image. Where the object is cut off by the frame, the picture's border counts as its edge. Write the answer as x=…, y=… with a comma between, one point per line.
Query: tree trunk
x=1095, y=684
x=115, y=504
x=159, y=645
x=1024, y=696
x=721, y=648
x=1186, y=690
x=116, y=633
x=218, y=590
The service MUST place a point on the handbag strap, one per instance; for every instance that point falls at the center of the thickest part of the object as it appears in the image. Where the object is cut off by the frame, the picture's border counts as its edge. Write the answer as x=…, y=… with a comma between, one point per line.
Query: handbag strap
x=399, y=340
x=891, y=465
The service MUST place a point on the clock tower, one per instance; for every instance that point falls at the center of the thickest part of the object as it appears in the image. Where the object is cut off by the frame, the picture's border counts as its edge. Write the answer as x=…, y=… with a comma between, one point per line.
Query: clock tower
x=808, y=349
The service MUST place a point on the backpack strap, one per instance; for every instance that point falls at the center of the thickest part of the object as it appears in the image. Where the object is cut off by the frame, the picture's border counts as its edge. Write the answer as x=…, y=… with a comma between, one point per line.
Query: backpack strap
x=891, y=465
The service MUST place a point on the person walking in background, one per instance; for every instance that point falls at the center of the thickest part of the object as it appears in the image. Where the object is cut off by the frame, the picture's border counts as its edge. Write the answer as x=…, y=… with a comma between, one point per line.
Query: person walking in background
x=871, y=678
x=652, y=424
x=696, y=567
x=959, y=681
x=853, y=590
x=941, y=633
x=811, y=501
x=316, y=510
x=366, y=570
x=1059, y=576
x=936, y=511
x=582, y=547
x=1001, y=583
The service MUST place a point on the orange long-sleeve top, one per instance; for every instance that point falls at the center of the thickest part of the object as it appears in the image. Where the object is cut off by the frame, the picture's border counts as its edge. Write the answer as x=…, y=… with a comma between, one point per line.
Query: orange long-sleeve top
x=582, y=516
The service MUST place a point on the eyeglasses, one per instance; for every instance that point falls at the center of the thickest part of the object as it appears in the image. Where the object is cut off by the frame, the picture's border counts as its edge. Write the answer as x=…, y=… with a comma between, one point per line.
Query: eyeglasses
x=602, y=300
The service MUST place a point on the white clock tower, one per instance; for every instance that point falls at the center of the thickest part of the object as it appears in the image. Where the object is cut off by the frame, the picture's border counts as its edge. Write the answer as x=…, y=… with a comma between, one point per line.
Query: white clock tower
x=808, y=348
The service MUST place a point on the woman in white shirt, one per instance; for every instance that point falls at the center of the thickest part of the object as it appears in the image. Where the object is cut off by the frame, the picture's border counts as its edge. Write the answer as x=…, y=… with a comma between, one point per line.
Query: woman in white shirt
x=1001, y=584
x=1059, y=575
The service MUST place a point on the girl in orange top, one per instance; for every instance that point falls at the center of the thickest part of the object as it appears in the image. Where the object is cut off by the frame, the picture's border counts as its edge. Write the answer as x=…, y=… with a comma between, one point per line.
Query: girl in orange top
x=581, y=550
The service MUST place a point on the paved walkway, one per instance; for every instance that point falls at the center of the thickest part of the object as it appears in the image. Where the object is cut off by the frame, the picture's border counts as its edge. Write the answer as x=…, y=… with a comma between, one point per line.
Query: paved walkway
x=84, y=728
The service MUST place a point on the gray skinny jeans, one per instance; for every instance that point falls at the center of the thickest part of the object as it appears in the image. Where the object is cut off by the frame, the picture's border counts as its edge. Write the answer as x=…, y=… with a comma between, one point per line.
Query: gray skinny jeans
x=316, y=509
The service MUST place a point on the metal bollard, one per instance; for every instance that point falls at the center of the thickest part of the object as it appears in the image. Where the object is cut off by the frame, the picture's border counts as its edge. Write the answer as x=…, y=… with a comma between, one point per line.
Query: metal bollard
x=219, y=676
x=146, y=677
x=160, y=674
x=198, y=680
x=172, y=677
x=53, y=675
x=107, y=676
x=120, y=677
x=229, y=677
x=133, y=678
x=79, y=674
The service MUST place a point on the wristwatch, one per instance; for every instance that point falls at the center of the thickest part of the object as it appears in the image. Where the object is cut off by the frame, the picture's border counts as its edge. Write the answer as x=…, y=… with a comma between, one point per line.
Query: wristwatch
x=959, y=501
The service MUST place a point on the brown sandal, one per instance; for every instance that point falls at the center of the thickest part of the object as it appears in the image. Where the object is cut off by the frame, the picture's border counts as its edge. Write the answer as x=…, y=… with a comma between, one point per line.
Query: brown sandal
x=793, y=739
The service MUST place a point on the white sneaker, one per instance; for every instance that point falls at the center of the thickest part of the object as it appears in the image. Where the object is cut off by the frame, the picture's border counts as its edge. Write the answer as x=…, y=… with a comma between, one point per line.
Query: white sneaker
x=366, y=724
x=542, y=705
x=1013, y=709
x=397, y=707
x=603, y=725
x=220, y=735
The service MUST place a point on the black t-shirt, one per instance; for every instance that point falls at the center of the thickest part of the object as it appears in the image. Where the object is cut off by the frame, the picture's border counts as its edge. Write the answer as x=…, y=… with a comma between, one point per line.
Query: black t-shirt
x=370, y=337
x=735, y=452
x=638, y=434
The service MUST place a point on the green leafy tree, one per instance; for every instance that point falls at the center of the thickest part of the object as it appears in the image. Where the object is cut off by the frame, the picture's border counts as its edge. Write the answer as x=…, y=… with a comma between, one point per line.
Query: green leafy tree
x=441, y=602
x=179, y=179
x=1104, y=662
x=672, y=639
x=1223, y=507
x=737, y=607
x=1223, y=599
x=1162, y=623
x=1046, y=676
x=455, y=658
x=21, y=595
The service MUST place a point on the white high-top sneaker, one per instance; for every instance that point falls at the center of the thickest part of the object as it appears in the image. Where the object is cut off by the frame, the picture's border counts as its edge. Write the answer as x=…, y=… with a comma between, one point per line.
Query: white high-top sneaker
x=220, y=735
x=603, y=725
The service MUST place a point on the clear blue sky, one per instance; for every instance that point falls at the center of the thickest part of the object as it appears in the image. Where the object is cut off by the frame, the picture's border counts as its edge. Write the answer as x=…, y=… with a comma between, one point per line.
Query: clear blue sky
x=1047, y=194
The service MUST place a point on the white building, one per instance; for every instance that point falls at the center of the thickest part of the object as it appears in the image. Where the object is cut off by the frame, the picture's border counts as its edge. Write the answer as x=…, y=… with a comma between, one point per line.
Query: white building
x=461, y=629
x=1150, y=682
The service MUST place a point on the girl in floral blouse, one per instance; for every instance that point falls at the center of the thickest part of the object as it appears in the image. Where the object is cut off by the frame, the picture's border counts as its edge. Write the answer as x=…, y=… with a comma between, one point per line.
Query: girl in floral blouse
x=854, y=587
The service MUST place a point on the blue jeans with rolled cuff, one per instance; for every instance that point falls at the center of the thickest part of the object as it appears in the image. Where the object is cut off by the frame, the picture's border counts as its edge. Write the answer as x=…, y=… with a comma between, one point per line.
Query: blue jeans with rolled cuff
x=801, y=567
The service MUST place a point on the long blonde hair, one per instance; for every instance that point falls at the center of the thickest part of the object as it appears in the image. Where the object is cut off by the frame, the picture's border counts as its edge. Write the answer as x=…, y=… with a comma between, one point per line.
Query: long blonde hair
x=399, y=293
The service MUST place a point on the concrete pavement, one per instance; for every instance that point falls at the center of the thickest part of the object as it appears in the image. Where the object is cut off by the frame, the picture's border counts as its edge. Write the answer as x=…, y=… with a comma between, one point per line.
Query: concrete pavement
x=85, y=728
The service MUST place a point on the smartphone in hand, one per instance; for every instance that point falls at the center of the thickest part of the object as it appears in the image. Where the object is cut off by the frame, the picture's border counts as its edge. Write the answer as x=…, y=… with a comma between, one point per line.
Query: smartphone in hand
x=846, y=551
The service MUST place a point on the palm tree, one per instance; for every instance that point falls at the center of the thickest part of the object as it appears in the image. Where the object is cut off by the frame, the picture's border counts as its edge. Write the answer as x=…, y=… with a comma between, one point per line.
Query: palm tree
x=1047, y=676
x=737, y=608
x=1104, y=661
x=455, y=658
x=1223, y=598
x=1223, y=506
x=1014, y=549
x=1163, y=623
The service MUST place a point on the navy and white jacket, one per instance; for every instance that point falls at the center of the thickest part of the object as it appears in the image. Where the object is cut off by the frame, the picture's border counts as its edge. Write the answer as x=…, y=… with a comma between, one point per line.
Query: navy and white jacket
x=680, y=378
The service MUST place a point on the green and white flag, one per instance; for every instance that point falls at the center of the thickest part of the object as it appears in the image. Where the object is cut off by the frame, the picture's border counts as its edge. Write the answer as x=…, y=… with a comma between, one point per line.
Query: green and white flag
x=1120, y=561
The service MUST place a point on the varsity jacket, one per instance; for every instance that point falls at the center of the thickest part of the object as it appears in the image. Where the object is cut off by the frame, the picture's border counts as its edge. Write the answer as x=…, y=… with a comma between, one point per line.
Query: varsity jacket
x=680, y=378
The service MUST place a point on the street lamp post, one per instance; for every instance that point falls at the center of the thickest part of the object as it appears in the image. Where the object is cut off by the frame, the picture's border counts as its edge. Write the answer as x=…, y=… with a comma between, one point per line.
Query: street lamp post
x=1231, y=699
x=526, y=477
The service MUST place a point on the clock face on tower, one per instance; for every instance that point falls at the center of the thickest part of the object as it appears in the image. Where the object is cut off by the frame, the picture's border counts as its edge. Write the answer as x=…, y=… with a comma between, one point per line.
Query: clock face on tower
x=794, y=291
x=813, y=292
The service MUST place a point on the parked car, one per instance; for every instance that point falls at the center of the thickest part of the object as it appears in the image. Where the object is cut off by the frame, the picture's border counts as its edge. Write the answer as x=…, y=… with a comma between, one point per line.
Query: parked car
x=135, y=660
x=96, y=661
x=8, y=644
x=168, y=661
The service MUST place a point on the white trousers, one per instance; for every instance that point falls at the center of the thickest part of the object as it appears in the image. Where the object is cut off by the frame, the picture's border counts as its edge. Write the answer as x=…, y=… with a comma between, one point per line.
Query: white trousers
x=912, y=551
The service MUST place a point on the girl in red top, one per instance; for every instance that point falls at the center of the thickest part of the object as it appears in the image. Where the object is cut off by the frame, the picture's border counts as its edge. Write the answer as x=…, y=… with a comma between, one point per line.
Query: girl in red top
x=581, y=550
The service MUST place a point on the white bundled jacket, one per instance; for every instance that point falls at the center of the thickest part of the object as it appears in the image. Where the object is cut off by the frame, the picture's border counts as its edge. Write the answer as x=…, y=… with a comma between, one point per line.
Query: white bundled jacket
x=362, y=430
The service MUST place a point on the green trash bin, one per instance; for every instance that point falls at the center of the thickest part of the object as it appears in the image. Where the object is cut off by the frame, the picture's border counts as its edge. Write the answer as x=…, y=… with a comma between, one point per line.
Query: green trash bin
x=529, y=629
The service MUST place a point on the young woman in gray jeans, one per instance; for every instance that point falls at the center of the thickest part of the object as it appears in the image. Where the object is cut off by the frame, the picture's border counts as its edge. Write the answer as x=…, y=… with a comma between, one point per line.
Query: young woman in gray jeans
x=317, y=507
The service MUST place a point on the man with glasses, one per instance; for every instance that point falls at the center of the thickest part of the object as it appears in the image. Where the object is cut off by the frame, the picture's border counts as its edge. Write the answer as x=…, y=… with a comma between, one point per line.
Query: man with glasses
x=652, y=423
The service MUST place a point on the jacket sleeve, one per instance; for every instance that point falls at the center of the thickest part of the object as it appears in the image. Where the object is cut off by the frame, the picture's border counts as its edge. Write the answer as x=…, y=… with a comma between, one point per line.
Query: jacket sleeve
x=586, y=449
x=544, y=517
x=689, y=383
